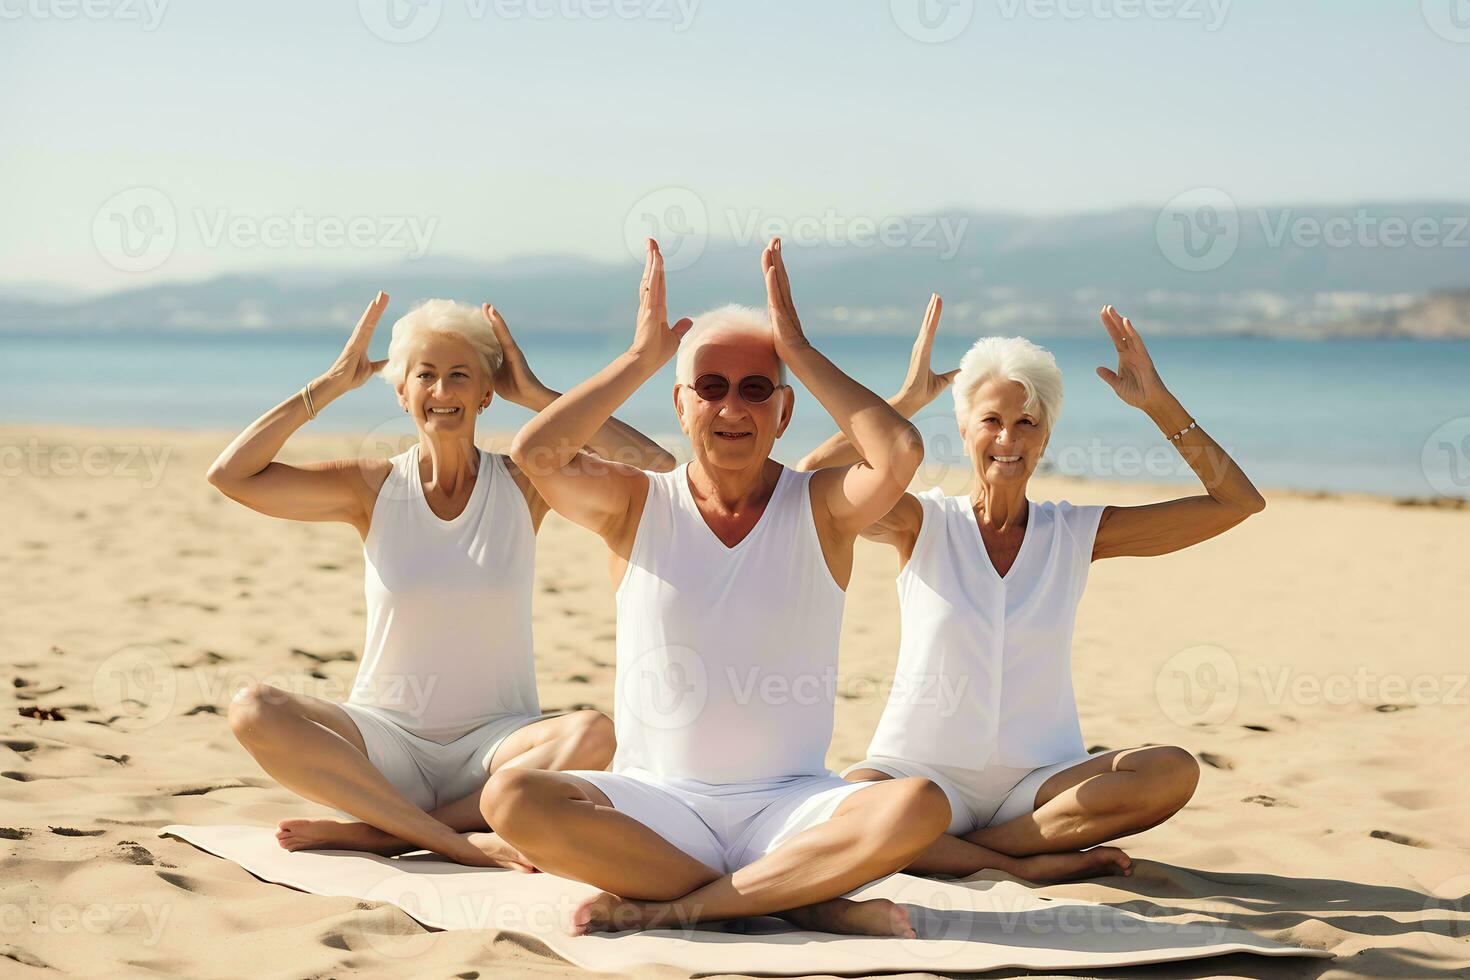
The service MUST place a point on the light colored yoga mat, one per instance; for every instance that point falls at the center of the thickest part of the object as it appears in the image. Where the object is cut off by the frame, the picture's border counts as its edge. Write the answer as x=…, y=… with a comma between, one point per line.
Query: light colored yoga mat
x=963, y=926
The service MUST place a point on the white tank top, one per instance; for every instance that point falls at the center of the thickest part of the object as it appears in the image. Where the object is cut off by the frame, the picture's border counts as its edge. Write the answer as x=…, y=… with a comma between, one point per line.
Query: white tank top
x=984, y=671
x=726, y=657
x=448, y=605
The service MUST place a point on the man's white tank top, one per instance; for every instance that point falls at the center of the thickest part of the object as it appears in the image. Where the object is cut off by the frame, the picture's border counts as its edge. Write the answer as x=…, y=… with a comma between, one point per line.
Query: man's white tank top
x=448, y=605
x=984, y=671
x=726, y=657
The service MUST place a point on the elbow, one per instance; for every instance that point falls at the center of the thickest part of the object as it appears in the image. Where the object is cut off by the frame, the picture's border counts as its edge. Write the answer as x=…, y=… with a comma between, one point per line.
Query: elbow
x=908, y=453
x=216, y=475
x=1255, y=504
x=806, y=463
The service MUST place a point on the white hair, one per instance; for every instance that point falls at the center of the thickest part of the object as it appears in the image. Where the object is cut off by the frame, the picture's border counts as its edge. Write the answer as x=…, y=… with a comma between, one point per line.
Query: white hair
x=733, y=320
x=1011, y=359
x=441, y=316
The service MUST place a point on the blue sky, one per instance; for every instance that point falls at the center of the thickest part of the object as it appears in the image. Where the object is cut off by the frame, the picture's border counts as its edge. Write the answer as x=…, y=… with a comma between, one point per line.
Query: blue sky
x=525, y=127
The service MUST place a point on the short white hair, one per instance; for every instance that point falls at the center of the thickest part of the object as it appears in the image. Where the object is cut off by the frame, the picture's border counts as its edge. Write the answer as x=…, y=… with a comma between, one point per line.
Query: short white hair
x=733, y=320
x=1011, y=359
x=441, y=316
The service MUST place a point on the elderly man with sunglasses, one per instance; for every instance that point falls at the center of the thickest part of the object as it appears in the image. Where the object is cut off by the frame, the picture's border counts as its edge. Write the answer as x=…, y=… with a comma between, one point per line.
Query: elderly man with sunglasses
x=730, y=575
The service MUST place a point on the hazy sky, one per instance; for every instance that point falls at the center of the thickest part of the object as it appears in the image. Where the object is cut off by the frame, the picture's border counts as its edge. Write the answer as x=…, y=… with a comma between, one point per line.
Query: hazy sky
x=259, y=130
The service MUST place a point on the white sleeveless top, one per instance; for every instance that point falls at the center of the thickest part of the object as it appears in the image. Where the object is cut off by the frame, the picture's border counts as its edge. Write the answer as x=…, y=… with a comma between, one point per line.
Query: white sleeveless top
x=726, y=657
x=984, y=672
x=448, y=605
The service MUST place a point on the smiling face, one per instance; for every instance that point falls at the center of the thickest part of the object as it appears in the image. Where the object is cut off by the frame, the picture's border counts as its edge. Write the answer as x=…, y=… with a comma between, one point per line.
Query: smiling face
x=1003, y=440
x=446, y=384
x=729, y=432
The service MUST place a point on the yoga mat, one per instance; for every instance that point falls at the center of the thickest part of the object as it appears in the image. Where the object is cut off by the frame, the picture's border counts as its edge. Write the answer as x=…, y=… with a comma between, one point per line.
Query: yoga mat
x=969, y=926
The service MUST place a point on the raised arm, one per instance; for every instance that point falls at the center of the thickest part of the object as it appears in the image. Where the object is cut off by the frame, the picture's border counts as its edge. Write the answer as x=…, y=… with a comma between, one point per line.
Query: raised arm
x=920, y=387
x=599, y=494
x=518, y=384
x=1157, y=529
x=889, y=448
x=341, y=490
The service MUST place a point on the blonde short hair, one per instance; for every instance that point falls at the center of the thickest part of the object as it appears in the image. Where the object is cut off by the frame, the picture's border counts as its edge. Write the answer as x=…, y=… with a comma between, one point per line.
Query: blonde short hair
x=1011, y=359
x=441, y=316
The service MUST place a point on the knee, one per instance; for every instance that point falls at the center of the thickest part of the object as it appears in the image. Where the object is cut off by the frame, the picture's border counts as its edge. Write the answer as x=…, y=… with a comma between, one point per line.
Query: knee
x=509, y=797
x=593, y=739
x=1170, y=775
x=255, y=712
x=920, y=811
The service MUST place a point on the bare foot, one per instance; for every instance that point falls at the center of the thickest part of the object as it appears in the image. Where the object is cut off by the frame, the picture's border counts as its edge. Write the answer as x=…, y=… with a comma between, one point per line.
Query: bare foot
x=342, y=835
x=1099, y=862
x=487, y=849
x=605, y=912
x=874, y=917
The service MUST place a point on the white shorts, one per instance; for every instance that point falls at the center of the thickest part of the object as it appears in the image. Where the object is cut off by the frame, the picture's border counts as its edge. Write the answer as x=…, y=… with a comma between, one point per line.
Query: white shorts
x=977, y=797
x=429, y=773
x=724, y=827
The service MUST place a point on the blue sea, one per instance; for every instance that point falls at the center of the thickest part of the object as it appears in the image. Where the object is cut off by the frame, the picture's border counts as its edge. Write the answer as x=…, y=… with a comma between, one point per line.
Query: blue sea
x=1389, y=417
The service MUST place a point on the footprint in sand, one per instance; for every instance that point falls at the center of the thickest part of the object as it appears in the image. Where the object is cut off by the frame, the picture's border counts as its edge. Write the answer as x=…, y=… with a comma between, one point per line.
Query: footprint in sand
x=121, y=760
x=74, y=832
x=20, y=777
x=1393, y=838
x=1216, y=761
x=1387, y=708
x=1256, y=728
x=334, y=940
x=13, y=833
x=179, y=881
x=20, y=744
x=1264, y=800
x=135, y=853
x=22, y=957
x=203, y=709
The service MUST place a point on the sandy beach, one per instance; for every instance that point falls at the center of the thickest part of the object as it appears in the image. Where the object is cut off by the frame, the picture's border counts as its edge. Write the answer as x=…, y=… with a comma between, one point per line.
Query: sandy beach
x=1313, y=660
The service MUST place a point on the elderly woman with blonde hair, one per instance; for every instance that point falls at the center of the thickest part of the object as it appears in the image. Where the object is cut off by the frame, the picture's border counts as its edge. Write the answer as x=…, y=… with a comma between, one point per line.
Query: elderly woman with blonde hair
x=445, y=693
x=988, y=586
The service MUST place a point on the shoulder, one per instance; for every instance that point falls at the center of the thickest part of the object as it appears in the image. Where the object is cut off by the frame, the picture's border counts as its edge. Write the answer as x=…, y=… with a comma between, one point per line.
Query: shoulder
x=1079, y=522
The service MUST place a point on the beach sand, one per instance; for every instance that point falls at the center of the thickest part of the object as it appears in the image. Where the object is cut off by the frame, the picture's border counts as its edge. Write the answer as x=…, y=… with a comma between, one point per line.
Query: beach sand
x=1313, y=660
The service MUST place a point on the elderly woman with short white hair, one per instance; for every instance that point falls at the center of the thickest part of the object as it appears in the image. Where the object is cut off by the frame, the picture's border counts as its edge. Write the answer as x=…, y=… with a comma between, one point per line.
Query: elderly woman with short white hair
x=989, y=584
x=445, y=693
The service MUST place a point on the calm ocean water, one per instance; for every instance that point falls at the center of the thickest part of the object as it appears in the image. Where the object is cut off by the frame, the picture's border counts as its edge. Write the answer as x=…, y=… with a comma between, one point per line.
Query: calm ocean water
x=1380, y=416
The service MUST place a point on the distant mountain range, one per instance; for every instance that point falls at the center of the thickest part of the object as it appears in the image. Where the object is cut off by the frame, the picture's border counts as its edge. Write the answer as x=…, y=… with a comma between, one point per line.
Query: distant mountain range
x=1302, y=272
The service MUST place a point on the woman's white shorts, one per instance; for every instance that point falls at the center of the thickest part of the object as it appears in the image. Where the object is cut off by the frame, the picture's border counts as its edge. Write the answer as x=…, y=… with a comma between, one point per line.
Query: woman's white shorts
x=977, y=797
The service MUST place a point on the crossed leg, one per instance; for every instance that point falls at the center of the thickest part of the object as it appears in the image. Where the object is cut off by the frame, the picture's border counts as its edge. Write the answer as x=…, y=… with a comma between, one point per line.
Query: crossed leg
x=313, y=748
x=568, y=827
x=1111, y=795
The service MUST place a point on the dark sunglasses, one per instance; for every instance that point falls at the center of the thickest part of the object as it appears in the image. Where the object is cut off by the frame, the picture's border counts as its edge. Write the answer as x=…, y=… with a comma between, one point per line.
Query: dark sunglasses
x=753, y=389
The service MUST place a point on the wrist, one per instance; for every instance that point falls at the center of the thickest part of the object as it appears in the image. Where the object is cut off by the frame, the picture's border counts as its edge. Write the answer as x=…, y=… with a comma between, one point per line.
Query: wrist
x=538, y=399
x=907, y=404
x=1167, y=413
x=324, y=390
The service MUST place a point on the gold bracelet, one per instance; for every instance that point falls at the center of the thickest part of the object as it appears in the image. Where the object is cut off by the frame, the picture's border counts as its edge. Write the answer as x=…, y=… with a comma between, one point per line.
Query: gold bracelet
x=306, y=400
